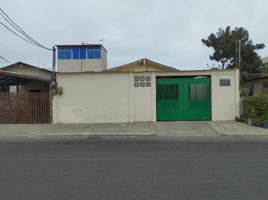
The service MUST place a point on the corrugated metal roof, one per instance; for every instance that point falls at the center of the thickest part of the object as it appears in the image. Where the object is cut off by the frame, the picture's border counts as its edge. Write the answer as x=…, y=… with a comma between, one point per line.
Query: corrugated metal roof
x=13, y=78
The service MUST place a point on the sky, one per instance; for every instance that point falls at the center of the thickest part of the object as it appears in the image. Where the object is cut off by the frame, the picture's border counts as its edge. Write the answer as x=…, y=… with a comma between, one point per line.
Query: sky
x=165, y=31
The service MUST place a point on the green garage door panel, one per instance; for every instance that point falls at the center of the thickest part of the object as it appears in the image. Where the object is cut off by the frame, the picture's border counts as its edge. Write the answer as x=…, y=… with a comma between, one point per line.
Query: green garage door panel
x=182, y=99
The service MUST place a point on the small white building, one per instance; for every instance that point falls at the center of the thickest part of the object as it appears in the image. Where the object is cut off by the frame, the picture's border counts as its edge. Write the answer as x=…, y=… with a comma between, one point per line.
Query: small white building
x=141, y=91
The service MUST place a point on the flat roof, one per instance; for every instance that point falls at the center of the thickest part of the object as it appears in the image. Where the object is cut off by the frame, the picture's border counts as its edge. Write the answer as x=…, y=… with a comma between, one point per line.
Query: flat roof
x=81, y=45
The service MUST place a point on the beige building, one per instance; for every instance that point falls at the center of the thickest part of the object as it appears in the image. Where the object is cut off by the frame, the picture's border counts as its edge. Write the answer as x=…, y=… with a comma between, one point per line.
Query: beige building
x=144, y=91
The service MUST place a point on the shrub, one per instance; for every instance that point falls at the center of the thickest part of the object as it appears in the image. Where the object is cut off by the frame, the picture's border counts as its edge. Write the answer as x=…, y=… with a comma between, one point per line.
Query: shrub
x=249, y=108
x=256, y=108
x=261, y=104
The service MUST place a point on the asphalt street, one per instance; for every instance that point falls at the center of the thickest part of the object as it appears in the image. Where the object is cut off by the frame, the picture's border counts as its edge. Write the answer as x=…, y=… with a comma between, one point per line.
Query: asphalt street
x=134, y=169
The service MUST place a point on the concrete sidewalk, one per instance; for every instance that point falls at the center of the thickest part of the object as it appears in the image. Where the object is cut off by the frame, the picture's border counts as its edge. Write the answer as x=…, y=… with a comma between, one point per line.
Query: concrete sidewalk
x=168, y=129
x=232, y=128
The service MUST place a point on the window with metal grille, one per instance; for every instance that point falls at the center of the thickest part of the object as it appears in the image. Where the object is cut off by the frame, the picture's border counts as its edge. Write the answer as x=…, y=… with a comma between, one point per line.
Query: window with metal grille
x=225, y=82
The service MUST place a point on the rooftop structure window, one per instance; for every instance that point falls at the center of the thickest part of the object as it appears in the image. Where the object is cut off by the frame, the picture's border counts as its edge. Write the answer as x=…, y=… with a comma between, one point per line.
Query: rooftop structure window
x=94, y=53
x=79, y=53
x=65, y=53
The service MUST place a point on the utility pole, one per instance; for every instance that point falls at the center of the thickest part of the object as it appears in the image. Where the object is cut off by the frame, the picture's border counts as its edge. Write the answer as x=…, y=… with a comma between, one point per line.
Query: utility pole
x=54, y=62
x=238, y=54
x=53, y=81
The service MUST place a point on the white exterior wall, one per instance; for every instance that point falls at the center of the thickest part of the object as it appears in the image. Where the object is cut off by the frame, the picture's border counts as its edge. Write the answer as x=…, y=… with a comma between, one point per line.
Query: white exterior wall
x=225, y=100
x=112, y=97
x=92, y=98
x=86, y=65
x=101, y=98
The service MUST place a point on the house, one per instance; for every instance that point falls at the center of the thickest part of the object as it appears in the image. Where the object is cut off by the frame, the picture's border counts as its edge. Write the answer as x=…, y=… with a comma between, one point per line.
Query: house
x=140, y=91
x=24, y=94
x=36, y=79
x=255, y=84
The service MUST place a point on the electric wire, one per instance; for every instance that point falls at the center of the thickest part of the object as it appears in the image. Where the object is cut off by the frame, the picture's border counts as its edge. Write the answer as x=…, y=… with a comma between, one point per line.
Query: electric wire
x=23, y=35
x=4, y=59
x=18, y=34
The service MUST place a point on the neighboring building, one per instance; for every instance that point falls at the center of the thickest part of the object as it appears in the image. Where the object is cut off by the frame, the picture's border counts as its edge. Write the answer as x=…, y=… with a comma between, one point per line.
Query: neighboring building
x=38, y=79
x=255, y=84
x=141, y=91
x=24, y=94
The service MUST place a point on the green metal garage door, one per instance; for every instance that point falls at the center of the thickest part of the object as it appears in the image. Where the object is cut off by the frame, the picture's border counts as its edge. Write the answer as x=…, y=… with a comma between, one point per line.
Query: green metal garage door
x=182, y=99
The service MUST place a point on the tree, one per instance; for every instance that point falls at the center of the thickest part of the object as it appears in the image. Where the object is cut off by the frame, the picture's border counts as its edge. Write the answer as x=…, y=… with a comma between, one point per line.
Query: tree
x=224, y=45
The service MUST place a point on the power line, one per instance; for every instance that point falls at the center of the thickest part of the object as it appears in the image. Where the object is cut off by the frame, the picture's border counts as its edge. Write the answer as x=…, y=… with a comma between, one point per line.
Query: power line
x=17, y=29
x=23, y=35
x=17, y=34
x=13, y=24
x=4, y=59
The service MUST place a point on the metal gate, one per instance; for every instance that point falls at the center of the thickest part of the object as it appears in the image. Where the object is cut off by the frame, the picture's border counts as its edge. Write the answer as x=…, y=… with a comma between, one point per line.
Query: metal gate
x=25, y=108
x=182, y=99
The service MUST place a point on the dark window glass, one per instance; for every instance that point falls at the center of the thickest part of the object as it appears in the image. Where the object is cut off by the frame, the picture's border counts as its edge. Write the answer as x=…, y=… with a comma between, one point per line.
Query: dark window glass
x=225, y=82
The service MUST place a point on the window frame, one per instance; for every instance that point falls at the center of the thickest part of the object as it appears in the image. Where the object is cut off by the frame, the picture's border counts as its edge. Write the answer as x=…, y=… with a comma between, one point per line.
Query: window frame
x=65, y=51
x=79, y=53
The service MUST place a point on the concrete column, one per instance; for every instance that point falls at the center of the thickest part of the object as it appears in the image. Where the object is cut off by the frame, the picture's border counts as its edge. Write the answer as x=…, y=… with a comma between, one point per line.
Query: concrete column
x=131, y=97
x=153, y=98
x=213, y=96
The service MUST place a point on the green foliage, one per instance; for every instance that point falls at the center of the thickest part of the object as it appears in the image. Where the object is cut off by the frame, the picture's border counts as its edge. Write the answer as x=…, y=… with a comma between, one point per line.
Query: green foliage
x=256, y=108
x=263, y=68
x=249, y=108
x=224, y=45
x=264, y=118
x=261, y=105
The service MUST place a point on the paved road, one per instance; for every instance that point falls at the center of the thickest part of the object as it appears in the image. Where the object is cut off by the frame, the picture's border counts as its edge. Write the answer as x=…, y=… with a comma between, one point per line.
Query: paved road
x=134, y=169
